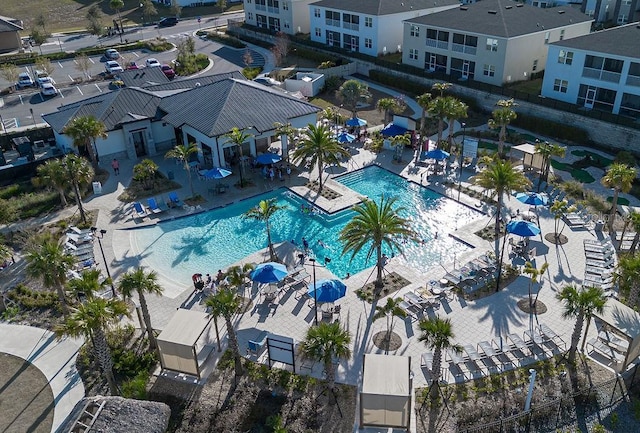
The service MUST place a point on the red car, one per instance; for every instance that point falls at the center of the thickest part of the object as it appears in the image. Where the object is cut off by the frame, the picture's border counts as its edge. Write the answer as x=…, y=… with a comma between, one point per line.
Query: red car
x=168, y=71
x=132, y=65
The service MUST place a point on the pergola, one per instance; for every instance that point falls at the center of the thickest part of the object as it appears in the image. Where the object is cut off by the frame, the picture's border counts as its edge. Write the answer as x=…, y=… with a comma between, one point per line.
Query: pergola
x=183, y=343
x=527, y=153
x=626, y=322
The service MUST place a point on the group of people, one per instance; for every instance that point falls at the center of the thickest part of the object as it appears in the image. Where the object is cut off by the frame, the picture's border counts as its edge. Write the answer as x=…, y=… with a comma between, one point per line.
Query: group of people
x=208, y=284
x=271, y=172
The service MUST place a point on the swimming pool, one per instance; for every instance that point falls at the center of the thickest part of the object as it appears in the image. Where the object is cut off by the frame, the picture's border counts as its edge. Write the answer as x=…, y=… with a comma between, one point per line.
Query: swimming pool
x=213, y=240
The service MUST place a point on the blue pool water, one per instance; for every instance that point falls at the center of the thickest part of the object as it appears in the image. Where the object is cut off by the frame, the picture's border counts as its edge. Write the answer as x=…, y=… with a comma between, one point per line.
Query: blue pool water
x=213, y=240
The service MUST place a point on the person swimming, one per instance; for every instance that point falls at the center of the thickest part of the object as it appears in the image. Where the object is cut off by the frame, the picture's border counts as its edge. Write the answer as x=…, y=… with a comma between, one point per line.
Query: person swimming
x=322, y=244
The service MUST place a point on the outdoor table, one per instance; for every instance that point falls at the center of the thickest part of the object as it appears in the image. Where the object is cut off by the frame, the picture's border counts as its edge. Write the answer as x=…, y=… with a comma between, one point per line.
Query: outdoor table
x=326, y=308
x=528, y=215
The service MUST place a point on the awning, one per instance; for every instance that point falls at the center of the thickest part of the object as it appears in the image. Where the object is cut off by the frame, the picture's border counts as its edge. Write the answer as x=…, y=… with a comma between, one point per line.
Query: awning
x=392, y=130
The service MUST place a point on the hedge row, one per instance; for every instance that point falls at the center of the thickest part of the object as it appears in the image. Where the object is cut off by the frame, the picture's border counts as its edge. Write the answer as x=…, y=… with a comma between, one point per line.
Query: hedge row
x=557, y=130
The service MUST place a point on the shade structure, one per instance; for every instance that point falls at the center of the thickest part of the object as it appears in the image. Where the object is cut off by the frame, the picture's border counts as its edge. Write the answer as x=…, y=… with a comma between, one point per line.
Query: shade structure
x=523, y=228
x=356, y=121
x=270, y=272
x=217, y=173
x=437, y=154
x=392, y=130
x=532, y=198
x=268, y=158
x=327, y=290
x=345, y=137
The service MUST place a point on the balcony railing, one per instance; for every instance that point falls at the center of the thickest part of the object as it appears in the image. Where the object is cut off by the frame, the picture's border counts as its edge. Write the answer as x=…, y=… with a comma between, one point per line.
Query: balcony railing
x=261, y=7
x=632, y=80
x=273, y=10
x=460, y=48
x=437, y=44
x=351, y=26
x=599, y=74
x=333, y=23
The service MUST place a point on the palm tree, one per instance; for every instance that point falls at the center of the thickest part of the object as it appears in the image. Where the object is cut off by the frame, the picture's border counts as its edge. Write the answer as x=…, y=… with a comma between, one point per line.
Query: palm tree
x=182, y=153
x=263, y=212
x=237, y=275
x=79, y=173
x=458, y=110
x=142, y=283
x=387, y=106
x=635, y=221
x=117, y=6
x=351, y=93
x=423, y=101
x=92, y=319
x=373, y=226
x=145, y=172
x=627, y=276
x=558, y=209
x=319, y=148
x=580, y=304
x=439, y=108
x=500, y=177
x=501, y=118
x=225, y=303
x=324, y=343
x=47, y=261
x=547, y=150
x=87, y=285
x=534, y=273
x=84, y=131
x=288, y=131
x=441, y=87
x=620, y=177
x=389, y=310
x=437, y=335
x=238, y=137
x=52, y=173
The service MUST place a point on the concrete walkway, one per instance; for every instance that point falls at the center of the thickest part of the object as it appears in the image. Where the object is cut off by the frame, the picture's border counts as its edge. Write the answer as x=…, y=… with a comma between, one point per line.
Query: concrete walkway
x=56, y=359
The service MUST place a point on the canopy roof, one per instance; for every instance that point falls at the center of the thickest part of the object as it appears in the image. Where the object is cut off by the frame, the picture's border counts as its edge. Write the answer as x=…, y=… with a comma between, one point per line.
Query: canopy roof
x=525, y=148
x=185, y=328
x=621, y=317
x=386, y=375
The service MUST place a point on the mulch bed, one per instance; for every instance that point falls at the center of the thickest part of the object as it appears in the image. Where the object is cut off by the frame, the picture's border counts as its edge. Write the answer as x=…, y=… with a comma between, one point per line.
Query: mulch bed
x=388, y=343
x=392, y=282
x=556, y=240
x=538, y=307
x=327, y=192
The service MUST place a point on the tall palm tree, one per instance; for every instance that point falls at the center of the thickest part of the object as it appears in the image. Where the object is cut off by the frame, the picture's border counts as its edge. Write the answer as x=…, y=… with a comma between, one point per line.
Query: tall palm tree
x=627, y=276
x=441, y=87
x=92, y=319
x=238, y=137
x=580, y=304
x=558, y=209
x=547, y=150
x=182, y=153
x=263, y=212
x=500, y=177
x=225, y=303
x=501, y=118
x=437, y=335
x=84, y=131
x=439, y=108
x=457, y=111
x=534, y=273
x=142, y=283
x=620, y=177
x=87, y=285
x=319, y=148
x=351, y=93
x=387, y=106
x=423, y=101
x=47, y=261
x=79, y=174
x=388, y=311
x=373, y=226
x=635, y=221
x=288, y=131
x=52, y=174
x=324, y=343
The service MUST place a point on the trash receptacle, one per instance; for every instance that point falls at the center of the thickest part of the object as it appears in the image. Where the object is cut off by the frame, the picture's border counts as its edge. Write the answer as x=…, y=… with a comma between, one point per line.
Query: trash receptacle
x=599, y=225
x=170, y=175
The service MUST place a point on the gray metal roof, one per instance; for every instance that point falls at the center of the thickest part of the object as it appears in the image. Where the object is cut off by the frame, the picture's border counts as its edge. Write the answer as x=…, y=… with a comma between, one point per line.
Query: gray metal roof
x=10, y=24
x=217, y=108
x=502, y=18
x=621, y=41
x=383, y=7
x=188, y=83
x=142, y=77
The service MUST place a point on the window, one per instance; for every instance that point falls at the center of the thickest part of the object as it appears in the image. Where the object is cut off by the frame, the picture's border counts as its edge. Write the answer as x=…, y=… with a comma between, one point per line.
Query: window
x=560, y=86
x=562, y=34
x=316, y=12
x=489, y=70
x=287, y=25
x=415, y=31
x=622, y=18
x=492, y=44
x=368, y=43
x=626, y=2
x=285, y=7
x=565, y=57
x=368, y=22
x=590, y=13
x=249, y=1
x=250, y=16
x=318, y=32
x=546, y=37
x=535, y=65
x=413, y=54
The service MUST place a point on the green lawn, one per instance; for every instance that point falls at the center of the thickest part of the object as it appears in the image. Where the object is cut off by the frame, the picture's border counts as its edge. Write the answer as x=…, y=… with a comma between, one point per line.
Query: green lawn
x=532, y=87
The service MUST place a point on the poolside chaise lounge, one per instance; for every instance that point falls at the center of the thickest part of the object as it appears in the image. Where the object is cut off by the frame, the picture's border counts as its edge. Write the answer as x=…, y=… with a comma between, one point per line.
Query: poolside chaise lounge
x=256, y=346
x=153, y=205
x=138, y=210
x=175, y=201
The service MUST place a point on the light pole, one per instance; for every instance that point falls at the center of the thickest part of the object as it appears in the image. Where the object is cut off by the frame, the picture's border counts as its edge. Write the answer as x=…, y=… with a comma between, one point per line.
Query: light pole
x=532, y=379
x=315, y=293
x=94, y=230
x=464, y=130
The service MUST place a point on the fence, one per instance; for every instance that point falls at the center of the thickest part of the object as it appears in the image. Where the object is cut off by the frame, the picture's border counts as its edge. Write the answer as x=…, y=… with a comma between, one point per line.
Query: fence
x=565, y=410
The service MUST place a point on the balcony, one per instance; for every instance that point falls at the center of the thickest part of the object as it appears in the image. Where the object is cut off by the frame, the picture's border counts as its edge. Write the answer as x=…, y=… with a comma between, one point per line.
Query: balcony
x=460, y=48
x=273, y=10
x=599, y=74
x=633, y=80
x=350, y=26
x=261, y=7
x=437, y=44
x=332, y=23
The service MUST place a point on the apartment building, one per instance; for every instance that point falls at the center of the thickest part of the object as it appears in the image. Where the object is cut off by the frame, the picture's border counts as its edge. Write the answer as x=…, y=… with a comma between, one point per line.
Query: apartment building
x=288, y=16
x=614, y=11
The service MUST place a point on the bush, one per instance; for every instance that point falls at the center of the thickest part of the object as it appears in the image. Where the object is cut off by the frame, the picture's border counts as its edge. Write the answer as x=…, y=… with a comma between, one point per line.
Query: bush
x=226, y=40
x=158, y=45
x=251, y=73
x=137, y=387
x=127, y=363
x=33, y=299
x=191, y=64
x=560, y=131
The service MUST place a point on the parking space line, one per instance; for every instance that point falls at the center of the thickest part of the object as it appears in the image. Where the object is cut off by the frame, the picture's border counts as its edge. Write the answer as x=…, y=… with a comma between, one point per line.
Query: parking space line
x=61, y=95
x=70, y=78
x=136, y=54
x=91, y=60
x=21, y=101
x=60, y=64
x=97, y=87
x=78, y=87
x=1, y=102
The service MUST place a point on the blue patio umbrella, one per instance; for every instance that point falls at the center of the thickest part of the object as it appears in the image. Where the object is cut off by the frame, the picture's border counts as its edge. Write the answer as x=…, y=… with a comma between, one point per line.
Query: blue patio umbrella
x=269, y=272
x=523, y=228
x=356, y=121
x=327, y=290
x=345, y=137
x=268, y=158
x=217, y=173
x=437, y=154
x=391, y=130
x=532, y=198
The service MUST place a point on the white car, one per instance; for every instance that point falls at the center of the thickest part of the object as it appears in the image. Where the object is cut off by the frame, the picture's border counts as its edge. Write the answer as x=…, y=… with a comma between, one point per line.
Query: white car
x=111, y=54
x=42, y=77
x=24, y=80
x=112, y=67
x=48, y=89
x=153, y=63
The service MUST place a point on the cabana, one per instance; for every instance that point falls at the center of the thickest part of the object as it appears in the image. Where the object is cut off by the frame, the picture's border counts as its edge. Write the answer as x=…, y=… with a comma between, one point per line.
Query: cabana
x=621, y=336
x=385, y=399
x=527, y=153
x=183, y=344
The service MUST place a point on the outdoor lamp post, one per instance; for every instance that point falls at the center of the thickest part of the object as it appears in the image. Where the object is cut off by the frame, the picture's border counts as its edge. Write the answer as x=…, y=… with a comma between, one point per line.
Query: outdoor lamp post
x=315, y=292
x=532, y=379
x=464, y=130
x=94, y=230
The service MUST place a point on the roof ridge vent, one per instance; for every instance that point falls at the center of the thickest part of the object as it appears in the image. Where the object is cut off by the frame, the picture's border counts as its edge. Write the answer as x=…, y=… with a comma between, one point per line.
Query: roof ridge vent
x=493, y=12
x=560, y=12
x=463, y=8
x=508, y=7
x=519, y=5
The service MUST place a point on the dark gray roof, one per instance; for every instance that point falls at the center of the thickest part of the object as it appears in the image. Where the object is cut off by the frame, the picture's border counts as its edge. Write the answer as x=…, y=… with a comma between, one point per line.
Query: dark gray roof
x=217, y=108
x=621, y=41
x=10, y=24
x=383, y=7
x=188, y=83
x=142, y=77
x=502, y=18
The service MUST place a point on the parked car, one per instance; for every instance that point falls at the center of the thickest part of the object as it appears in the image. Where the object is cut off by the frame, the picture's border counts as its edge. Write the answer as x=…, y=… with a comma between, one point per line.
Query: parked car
x=48, y=89
x=153, y=63
x=168, y=71
x=132, y=65
x=111, y=54
x=168, y=22
x=42, y=77
x=25, y=80
x=267, y=81
x=112, y=67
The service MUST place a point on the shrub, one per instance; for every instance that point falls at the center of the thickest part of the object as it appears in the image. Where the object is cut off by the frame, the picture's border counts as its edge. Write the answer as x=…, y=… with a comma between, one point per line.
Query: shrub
x=137, y=387
x=332, y=83
x=627, y=158
x=157, y=45
x=33, y=299
x=558, y=130
x=189, y=65
x=251, y=73
x=226, y=40
x=127, y=363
